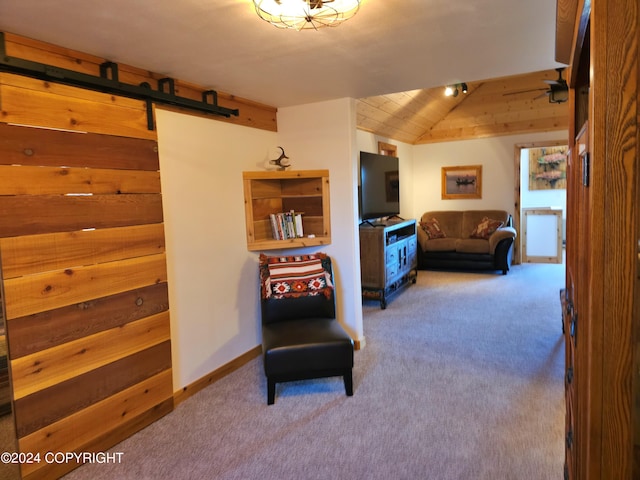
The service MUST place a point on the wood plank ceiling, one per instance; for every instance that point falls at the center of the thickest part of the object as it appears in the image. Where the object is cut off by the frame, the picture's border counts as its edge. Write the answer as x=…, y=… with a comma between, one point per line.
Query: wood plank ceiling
x=503, y=106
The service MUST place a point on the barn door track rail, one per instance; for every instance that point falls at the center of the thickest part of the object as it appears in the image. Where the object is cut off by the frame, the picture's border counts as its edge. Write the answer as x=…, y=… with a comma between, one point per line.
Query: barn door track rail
x=108, y=82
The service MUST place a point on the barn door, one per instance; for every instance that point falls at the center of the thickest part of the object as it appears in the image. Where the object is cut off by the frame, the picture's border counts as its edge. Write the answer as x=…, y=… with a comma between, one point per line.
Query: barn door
x=85, y=289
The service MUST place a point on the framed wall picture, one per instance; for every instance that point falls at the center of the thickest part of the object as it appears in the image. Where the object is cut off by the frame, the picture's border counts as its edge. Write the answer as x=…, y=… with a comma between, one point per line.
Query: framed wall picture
x=462, y=182
x=548, y=168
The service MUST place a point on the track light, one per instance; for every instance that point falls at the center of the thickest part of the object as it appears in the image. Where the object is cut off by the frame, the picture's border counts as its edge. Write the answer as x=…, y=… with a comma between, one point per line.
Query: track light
x=452, y=90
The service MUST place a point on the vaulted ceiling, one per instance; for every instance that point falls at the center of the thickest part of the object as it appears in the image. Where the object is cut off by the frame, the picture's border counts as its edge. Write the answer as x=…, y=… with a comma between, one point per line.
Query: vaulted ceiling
x=503, y=106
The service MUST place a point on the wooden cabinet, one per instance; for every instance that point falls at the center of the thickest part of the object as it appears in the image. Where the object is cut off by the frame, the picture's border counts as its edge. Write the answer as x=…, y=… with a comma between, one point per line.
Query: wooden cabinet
x=388, y=258
x=273, y=192
x=601, y=304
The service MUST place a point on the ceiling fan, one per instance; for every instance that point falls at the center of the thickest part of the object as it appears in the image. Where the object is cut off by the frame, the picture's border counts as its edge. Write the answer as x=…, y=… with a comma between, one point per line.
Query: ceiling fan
x=558, y=91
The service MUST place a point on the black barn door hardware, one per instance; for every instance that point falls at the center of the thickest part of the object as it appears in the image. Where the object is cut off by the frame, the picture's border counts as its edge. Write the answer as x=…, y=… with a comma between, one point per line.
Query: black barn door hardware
x=108, y=82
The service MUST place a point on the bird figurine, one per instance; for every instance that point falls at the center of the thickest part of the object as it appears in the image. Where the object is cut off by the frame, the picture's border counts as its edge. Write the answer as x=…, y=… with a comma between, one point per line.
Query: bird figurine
x=282, y=161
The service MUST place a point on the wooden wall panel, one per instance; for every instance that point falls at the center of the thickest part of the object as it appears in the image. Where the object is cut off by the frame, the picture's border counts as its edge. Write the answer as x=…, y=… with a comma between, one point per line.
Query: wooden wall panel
x=45, y=291
x=46, y=406
x=84, y=275
x=251, y=114
x=43, y=369
x=19, y=146
x=30, y=254
x=34, y=214
x=70, y=108
x=71, y=433
x=109, y=438
x=63, y=180
x=602, y=237
x=40, y=331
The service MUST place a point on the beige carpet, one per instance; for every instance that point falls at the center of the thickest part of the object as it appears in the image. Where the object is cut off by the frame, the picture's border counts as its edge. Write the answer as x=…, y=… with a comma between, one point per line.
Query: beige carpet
x=461, y=378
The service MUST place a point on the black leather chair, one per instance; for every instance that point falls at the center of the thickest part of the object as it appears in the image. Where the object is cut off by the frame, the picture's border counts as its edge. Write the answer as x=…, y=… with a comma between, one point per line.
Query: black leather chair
x=301, y=338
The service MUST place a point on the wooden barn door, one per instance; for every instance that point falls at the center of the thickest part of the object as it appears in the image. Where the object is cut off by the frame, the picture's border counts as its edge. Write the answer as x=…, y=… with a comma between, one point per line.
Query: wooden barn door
x=83, y=269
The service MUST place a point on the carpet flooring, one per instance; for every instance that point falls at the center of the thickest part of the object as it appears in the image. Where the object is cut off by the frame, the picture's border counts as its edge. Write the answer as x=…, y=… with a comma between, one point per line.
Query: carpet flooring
x=461, y=378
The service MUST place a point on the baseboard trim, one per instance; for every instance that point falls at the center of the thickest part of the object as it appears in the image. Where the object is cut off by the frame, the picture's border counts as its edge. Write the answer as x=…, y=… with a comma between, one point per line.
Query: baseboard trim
x=193, y=388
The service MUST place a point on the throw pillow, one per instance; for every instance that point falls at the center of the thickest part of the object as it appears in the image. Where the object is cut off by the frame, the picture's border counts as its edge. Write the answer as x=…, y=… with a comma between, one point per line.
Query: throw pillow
x=485, y=228
x=295, y=276
x=432, y=229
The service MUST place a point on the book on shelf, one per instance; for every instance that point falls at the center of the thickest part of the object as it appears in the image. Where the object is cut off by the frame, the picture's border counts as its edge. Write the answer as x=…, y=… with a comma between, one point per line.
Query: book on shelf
x=286, y=225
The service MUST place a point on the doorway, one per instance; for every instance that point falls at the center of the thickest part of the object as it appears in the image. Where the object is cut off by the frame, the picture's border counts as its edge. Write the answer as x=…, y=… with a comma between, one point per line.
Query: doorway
x=540, y=185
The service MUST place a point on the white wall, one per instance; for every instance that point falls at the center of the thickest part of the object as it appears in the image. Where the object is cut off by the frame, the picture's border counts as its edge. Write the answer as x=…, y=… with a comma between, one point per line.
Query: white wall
x=322, y=135
x=213, y=278
x=496, y=155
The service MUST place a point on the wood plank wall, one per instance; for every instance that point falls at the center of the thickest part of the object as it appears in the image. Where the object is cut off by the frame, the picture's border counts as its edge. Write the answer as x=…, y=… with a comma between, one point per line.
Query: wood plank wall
x=602, y=237
x=85, y=275
x=251, y=114
x=85, y=288
x=84, y=271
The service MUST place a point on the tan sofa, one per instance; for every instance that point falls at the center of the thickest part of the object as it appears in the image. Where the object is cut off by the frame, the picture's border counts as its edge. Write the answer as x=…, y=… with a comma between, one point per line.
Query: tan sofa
x=469, y=239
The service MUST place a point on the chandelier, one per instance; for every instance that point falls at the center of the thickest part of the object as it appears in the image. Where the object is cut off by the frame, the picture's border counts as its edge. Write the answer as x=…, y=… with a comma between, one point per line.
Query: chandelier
x=306, y=14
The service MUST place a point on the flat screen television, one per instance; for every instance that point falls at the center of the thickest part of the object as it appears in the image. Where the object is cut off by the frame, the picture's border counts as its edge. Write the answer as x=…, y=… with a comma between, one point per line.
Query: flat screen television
x=379, y=186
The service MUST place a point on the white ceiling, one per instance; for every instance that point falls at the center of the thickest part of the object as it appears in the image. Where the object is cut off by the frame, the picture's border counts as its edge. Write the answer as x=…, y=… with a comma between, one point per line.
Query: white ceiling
x=389, y=46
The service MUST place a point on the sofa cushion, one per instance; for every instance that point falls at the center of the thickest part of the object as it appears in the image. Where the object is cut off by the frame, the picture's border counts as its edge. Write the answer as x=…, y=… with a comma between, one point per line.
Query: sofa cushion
x=432, y=229
x=485, y=228
x=440, y=245
x=471, y=219
x=449, y=221
x=472, y=245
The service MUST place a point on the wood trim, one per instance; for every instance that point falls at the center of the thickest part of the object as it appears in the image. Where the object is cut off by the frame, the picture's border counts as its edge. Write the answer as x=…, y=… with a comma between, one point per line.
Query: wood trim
x=602, y=241
x=512, y=128
x=387, y=149
x=230, y=367
x=547, y=212
x=565, y=25
x=614, y=54
x=580, y=37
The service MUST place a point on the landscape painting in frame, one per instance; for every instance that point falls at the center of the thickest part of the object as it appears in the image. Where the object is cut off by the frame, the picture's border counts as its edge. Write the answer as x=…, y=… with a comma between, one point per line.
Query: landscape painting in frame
x=462, y=182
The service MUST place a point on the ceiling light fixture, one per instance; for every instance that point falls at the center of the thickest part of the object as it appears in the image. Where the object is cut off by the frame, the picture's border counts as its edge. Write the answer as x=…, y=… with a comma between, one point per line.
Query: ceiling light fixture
x=306, y=14
x=452, y=90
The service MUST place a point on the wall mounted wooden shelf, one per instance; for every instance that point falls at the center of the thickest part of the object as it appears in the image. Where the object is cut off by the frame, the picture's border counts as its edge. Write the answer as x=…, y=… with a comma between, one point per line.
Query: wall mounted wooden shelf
x=272, y=192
